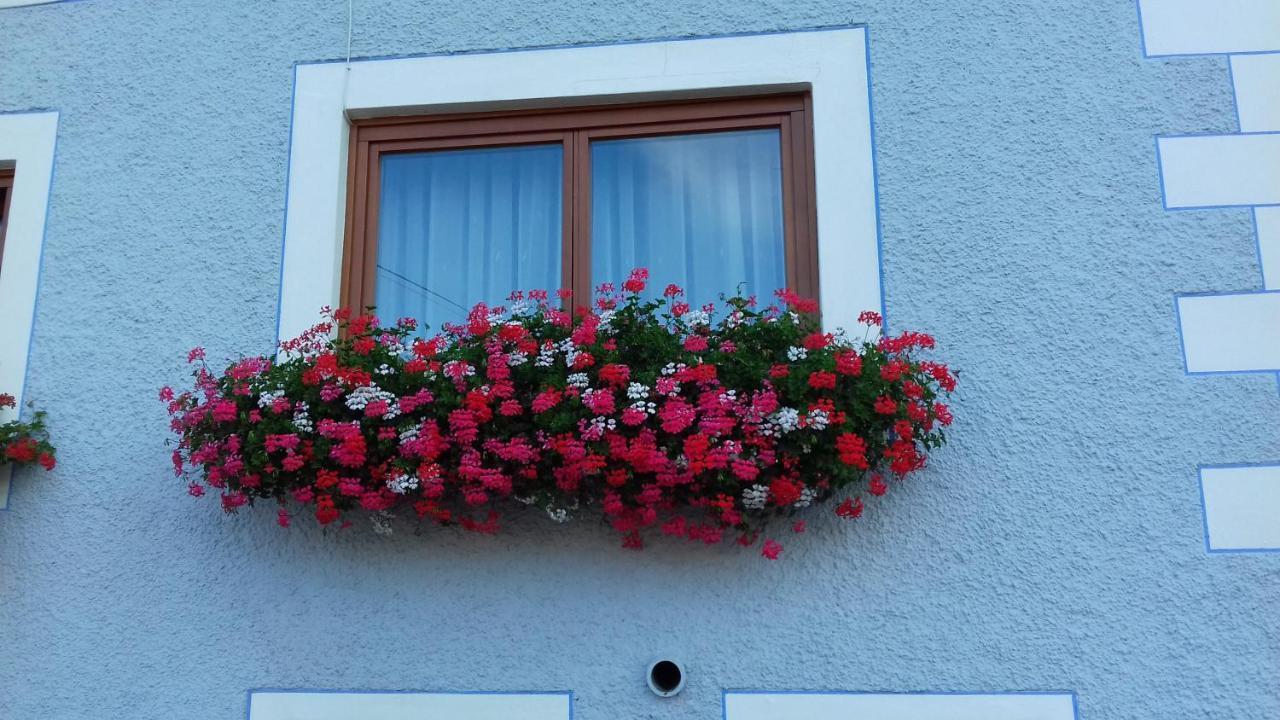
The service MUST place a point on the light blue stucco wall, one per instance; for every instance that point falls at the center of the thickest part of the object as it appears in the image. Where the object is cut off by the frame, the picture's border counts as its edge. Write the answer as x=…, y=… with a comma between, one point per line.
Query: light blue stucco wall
x=1055, y=544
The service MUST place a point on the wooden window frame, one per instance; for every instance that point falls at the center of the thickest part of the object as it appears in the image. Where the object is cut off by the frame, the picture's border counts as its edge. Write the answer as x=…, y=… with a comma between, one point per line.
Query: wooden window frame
x=574, y=129
x=6, y=185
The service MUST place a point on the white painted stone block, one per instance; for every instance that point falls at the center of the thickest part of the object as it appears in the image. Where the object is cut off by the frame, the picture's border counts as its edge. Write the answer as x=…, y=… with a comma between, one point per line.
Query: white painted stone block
x=323, y=705
x=1220, y=170
x=1242, y=507
x=1231, y=333
x=1268, y=221
x=1257, y=87
x=898, y=706
x=1194, y=27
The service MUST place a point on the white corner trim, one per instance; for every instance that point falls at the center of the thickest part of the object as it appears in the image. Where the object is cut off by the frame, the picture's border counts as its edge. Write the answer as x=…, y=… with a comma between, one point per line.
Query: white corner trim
x=22, y=3
x=1257, y=86
x=1195, y=27
x=325, y=705
x=830, y=62
x=1240, y=507
x=898, y=706
x=1231, y=332
x=1203, y=171
x=26, y=144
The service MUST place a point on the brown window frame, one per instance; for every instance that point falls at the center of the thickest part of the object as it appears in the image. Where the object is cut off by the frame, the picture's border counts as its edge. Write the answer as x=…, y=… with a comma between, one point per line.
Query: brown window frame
x=574, y=128
x=6, y=185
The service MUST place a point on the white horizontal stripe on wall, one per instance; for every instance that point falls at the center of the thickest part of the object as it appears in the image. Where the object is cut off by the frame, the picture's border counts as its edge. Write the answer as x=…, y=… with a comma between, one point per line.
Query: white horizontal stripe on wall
x=1231, y=333
x=1192, y=27
x=832, y=63
x=898, y=706
x=1219, y=170
x=1257, y=86
x=1268, y=220
x=304, y=705
x=1241, y=507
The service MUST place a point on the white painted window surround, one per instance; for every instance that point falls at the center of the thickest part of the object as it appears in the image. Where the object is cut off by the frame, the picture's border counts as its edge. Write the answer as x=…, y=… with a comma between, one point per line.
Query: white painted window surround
x=325, y=705
x=899, y=706
x=831, y=63
x=27, y=145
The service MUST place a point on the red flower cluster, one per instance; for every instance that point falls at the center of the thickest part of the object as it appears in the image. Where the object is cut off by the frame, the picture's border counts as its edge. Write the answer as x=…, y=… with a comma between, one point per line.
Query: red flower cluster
x=652, y=413
x=25, y=443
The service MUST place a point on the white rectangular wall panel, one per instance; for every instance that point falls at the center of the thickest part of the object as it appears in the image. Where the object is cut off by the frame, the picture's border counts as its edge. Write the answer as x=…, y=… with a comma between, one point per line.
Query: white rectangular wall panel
x=1268, y=221
x=1231, y=333
x=1241, y=507
x=898, y=706
x=290, y=705
x=1257, y=87
x=1195, y=27
x=1220, y=170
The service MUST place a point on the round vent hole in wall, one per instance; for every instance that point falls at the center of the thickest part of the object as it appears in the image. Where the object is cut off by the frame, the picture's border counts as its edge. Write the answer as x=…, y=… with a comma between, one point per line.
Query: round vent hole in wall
x=666, y=678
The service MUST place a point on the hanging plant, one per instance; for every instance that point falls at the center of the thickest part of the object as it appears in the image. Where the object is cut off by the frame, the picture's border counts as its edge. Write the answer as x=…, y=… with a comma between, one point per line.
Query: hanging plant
x=25, y=443
x=654, y=414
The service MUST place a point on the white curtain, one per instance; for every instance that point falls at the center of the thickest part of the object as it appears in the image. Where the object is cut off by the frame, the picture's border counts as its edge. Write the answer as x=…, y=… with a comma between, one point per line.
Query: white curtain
x=457, y=227
x=703, y=211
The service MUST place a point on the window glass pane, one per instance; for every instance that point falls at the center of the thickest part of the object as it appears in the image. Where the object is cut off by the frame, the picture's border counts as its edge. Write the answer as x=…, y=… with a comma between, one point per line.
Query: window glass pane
x=703, y=211
x=457, y=227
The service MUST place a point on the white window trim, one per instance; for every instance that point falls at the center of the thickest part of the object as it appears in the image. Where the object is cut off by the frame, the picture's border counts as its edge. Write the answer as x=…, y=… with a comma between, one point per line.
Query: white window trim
x=899, y=706
x=26, y=144
x=831, y=63
x=339, y=705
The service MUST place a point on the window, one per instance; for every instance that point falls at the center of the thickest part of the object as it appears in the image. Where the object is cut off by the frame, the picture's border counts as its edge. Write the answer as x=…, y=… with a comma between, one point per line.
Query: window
x=6, y=190
x=333, y=101
x=449, y=210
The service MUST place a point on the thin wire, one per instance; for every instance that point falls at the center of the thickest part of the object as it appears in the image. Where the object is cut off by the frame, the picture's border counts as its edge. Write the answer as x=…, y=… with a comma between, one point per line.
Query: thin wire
x=423, y=288
x=349, y=3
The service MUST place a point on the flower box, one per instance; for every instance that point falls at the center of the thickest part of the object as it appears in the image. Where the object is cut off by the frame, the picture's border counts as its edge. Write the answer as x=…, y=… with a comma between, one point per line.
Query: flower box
x=658, y=416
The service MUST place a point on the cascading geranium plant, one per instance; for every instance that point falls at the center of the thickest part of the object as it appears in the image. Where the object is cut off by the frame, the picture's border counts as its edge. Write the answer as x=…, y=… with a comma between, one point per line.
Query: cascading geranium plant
x=655, y=414
x=25, y=443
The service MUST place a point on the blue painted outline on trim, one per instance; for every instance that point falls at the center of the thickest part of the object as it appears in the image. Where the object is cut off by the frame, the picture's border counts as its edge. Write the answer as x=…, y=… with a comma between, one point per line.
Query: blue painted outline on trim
x=284, y=226
x=44, y=236
x=1160, y=173
x=1228, y=53
x=1075, y=698
x=1164, y=195
x=248, y=706
x=1204, y=510
x=1235, y=99
x=1186, y=367
x=1142, y=31
x=38, y=4
x=293, y=99
x=875, y=182
x=576, y=46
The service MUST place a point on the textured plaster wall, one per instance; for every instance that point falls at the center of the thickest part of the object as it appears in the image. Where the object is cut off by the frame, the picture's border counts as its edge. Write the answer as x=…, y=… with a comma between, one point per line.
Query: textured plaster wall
x=1056, y=544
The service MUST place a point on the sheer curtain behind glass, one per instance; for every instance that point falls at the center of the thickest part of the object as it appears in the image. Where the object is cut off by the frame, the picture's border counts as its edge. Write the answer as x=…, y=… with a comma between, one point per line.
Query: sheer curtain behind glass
x=457, y=227
x=703, y=211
